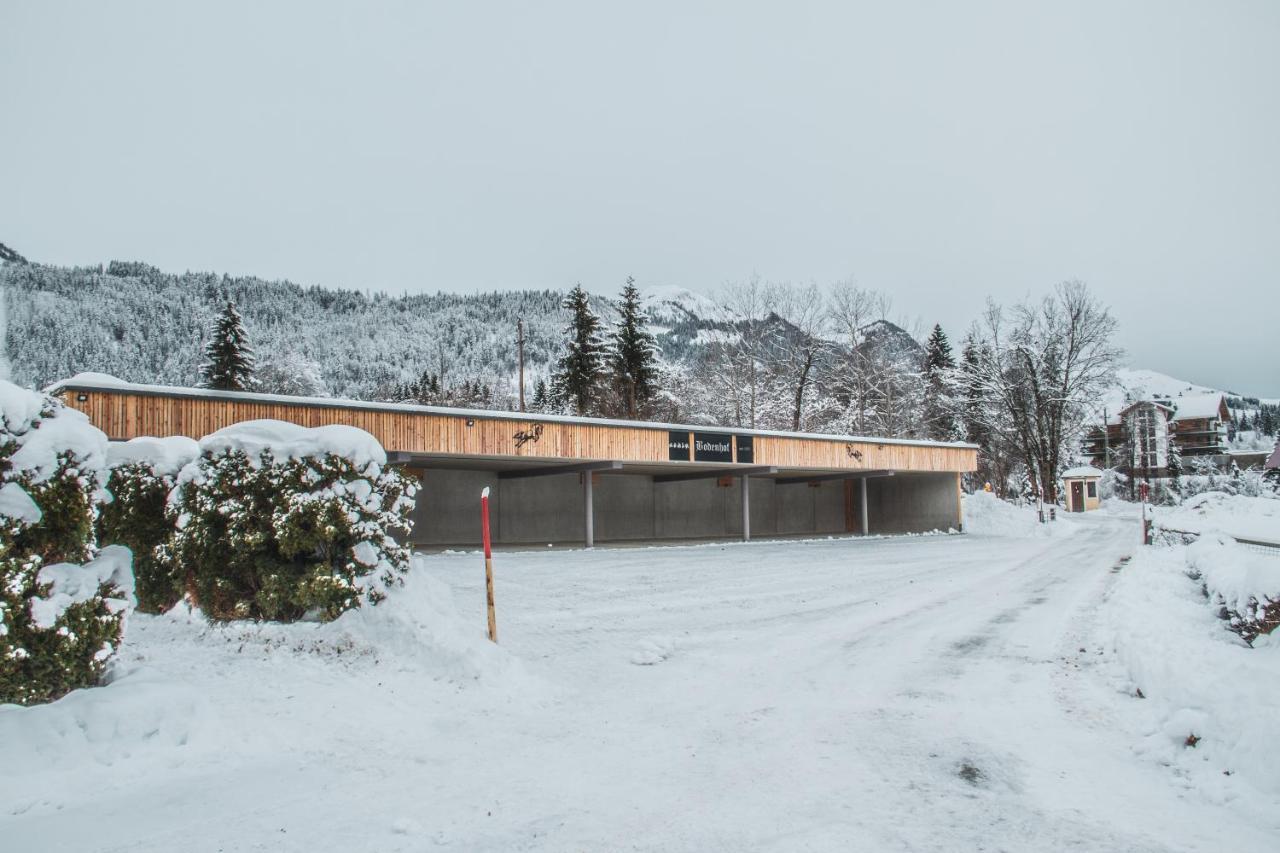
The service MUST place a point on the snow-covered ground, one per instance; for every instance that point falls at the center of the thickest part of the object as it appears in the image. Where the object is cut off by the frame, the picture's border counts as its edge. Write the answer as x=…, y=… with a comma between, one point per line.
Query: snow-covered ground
x=920, y=693
x=1236, y=515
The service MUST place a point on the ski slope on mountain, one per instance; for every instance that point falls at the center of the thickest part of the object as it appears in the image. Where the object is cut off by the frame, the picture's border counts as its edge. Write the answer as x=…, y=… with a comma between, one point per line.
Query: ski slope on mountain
x=916, y=693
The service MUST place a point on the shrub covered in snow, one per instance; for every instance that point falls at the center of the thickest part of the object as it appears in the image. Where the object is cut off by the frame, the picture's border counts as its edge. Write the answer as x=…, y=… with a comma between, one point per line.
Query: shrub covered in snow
x=61, y=618
x=277, y=521
x=1243, y=584
x=143, y=472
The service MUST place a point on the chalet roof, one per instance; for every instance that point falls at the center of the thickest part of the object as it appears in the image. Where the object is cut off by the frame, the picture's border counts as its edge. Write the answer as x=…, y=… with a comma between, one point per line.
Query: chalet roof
x=1273, y=461
x=1082, y=472
x=1198, y=406
x=1136, y=403
x=104, y=382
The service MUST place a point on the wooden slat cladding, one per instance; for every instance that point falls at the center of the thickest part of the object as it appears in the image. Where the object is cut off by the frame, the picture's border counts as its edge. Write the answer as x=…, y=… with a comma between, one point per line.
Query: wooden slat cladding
x=859, y=455
x=123, y=415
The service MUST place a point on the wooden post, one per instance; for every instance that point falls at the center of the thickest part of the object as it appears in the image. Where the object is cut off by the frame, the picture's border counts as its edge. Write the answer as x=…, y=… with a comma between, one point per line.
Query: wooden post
x=862, y=503
x=488, y=563
x=746, y=508
x=589, y=521
x=959, y=505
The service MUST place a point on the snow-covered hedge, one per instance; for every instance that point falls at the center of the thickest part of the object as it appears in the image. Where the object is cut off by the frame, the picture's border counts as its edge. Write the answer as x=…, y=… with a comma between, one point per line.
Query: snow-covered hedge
x=143, y=472
x=278, y=521
x=1208, y=699
x=1243, y=584
x=61, y=618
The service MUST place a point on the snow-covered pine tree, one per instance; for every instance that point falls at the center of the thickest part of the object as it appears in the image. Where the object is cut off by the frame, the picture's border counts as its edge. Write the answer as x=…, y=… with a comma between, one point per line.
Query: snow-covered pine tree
x=578, y=373
x=1174, y=467
x=541, y=396
x=939, y=366
x=632, y=358
x=229, y=360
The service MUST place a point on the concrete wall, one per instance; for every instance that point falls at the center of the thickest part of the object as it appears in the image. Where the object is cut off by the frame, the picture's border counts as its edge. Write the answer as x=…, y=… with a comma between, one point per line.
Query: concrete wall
x=912, y=503
x=534, y=510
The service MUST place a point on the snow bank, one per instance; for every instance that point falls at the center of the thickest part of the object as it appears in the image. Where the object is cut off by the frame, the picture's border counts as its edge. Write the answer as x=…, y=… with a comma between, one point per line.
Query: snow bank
x=105, y=726
x=284, y=440
x=1210, y=699
x=416, y=627
x=1240, y=579
x=986, y=514
x=1219, y=512
x=183, y=687
x=165, y=456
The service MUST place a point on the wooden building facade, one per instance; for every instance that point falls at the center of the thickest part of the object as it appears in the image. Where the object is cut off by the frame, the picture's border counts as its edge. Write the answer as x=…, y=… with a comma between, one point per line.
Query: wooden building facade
x=454, y=450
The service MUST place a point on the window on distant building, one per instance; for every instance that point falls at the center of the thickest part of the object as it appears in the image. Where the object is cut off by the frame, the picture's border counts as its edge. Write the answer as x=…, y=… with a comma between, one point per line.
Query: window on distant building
x=1093, y=490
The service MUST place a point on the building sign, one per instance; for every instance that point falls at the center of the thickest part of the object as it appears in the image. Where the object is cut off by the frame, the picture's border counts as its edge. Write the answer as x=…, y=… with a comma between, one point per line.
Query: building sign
x=746, y=448
x=712, y=447
x=678, y=446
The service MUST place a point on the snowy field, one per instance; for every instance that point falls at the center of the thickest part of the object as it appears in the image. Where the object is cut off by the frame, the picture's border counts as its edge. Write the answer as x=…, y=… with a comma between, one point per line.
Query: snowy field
x=930, y=693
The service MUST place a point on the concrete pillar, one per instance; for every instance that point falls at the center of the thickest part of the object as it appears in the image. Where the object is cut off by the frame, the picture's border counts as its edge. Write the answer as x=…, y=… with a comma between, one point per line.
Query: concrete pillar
x=746, y=508
x=588, y=504
x=862, y=503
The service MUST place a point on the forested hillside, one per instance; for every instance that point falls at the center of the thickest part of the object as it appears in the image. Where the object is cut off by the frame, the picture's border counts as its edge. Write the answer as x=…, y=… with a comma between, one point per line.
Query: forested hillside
x=726, y=363
x=142, y=325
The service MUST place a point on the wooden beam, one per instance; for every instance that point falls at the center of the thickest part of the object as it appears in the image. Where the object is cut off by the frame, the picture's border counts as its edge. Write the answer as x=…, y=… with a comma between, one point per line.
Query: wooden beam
x=550, y=470
x=820, y=478
x=716, y=472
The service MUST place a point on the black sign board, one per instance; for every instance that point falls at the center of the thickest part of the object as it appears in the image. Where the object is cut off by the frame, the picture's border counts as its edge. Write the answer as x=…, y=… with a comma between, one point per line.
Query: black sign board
x=712, y=447
x=746, y=448
x=678, y=446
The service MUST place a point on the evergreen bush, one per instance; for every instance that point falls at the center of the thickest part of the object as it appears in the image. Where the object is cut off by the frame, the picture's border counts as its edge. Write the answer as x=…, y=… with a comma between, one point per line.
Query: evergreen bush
x=143, y=472
x=61, y=618
x=282, y=536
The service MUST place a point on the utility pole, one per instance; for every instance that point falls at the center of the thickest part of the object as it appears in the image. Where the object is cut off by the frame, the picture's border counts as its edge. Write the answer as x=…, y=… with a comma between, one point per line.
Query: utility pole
x=1106, y=441
x=520, y=351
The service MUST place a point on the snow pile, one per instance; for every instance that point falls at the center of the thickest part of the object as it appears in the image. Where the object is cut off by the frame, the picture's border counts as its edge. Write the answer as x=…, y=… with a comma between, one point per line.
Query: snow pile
x=283, y=440
x=417, y=627
x=164, y=456
x=107, y=726
x=159, y=712
x=1210, y=699
x=988, y=515
x=1219, y=512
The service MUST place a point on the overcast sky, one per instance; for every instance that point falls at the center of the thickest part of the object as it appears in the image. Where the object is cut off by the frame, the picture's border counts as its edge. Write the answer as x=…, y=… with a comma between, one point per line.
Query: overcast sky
x=942, y=152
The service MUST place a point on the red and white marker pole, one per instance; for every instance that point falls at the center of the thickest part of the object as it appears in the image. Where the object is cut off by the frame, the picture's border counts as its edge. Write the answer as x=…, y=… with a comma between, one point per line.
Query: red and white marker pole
x=488, y=563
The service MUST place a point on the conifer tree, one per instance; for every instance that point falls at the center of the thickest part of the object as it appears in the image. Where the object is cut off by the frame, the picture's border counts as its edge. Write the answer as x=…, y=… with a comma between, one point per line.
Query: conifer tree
x=541, y=397
x=940, y=422
x=578, y=373
x=631, y=356
x=228, y=359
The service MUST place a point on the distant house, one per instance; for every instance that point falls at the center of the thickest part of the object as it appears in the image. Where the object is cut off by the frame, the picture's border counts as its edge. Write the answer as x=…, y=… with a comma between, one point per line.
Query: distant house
x=1139, y=440
x=1273, y=461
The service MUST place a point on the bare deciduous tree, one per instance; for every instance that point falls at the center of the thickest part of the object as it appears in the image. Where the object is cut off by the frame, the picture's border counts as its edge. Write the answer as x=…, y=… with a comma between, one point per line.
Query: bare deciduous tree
x=1040, y=366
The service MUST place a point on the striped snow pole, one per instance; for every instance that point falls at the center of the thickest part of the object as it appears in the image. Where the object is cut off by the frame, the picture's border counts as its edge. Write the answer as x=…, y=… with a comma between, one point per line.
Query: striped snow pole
x=488, y=563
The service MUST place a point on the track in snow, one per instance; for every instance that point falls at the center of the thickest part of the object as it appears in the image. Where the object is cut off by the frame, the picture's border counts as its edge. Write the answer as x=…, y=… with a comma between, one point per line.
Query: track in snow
x=924, y=693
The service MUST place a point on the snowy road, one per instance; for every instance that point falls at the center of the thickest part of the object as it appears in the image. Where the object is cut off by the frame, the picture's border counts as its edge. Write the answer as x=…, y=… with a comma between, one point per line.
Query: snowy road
x=930, y=693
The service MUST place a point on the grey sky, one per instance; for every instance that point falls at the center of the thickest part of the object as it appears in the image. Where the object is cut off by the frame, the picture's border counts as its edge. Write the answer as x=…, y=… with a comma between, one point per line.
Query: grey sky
x=939, y=151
